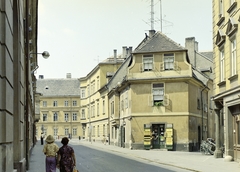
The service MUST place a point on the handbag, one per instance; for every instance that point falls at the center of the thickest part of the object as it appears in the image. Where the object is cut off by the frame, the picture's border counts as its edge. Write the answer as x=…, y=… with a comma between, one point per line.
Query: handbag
x=75, y=169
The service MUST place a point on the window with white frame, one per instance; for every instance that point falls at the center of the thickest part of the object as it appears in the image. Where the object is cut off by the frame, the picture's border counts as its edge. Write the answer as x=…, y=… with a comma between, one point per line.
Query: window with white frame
x=55, y=131
x=147, y=62
x=66, y=131
x=74, y=131
x=88, y=115
x=222, y=66
x=83, y=114
x=83, y=93
x=74, y=103
x=55, y=103
x=66, y=117
x=158, y=92
x=169, y=61
x=66, y=103
x=93, y=110
x=233, y=57
x=44, y=117
x=44, y=103
x=55, y=116
x=74, y=117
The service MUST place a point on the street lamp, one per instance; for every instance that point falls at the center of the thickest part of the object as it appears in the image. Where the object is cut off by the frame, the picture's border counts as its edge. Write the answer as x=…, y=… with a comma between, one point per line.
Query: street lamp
x=29, y=104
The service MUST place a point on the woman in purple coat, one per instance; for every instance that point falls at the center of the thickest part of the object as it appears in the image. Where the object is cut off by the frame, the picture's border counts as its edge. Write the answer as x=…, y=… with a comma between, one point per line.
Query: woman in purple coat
x=66, y=157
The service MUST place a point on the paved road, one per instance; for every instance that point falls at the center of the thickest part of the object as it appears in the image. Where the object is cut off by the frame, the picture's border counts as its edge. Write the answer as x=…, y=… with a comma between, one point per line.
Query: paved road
x=169, y=160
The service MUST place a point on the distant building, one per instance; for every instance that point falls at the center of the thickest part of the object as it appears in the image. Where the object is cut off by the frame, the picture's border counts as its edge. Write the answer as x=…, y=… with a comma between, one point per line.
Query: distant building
x=226, y=82
x=59, y=107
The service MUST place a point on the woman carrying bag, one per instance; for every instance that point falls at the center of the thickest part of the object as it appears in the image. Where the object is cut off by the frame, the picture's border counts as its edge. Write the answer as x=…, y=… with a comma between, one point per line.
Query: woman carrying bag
x=66, y=160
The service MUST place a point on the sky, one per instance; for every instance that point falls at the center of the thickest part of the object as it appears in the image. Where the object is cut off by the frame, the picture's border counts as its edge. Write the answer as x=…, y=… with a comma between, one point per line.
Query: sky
x=79, y=34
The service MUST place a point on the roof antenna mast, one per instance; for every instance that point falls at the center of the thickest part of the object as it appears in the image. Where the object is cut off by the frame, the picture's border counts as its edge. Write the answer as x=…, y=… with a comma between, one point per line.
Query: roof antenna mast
x=152, y=14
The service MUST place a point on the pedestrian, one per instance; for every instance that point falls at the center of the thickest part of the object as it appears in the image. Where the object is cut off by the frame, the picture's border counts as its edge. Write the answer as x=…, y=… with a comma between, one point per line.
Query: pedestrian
x=66, y=157
x=42, y=137
x=50, y=149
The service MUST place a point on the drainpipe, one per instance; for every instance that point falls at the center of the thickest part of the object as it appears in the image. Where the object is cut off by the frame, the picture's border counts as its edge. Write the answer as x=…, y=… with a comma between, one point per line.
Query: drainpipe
x=202, y=107
x=27, y=84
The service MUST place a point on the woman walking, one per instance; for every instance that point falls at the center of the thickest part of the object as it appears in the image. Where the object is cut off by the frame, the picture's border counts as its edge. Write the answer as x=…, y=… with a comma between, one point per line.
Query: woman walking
x=66, y=157
x=50, y=149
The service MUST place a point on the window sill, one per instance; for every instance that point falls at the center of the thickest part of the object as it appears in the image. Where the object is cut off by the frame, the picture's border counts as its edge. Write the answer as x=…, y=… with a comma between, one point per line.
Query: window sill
x=221, y=83
x=233, y=77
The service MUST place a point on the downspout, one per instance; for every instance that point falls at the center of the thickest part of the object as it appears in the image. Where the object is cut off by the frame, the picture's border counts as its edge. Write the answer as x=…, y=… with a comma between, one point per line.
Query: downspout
x=202, y=107
x=27, y=85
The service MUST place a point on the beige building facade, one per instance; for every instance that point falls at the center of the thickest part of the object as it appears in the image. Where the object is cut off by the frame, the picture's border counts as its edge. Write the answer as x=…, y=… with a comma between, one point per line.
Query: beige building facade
x=59, y=104
x=226, y=82
x=94, y=100
x=18, y=41
x=158, y=99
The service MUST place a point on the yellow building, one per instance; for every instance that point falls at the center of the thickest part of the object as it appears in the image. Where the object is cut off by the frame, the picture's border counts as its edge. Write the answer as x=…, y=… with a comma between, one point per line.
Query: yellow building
x=158, y=99
x=59, y=104
x=94, y=101
x=226, y=82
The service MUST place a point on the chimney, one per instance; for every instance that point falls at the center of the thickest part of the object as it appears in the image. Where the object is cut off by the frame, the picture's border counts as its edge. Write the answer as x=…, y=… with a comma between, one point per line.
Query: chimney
x=69, y=75
x=41, y=77
x=151, y=33
x=124, y=51
x=115, y=55
x=192, y=46
x=129, y=51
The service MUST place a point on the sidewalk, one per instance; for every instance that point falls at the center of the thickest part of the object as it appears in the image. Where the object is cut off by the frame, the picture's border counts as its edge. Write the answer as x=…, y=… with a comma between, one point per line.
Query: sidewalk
x=192, y=161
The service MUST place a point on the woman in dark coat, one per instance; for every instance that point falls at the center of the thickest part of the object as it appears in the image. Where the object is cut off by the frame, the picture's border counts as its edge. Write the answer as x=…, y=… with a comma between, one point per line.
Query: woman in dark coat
x=66, y=157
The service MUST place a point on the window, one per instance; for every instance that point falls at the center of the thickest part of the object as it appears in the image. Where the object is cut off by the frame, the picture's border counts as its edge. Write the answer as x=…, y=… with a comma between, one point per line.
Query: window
x=55, y=117
x=83, y=114
x=66, y=116
x=103, y=106
x=104, y=129
x=98, y=132
x=126, y=100
x=74, y=103
x=55, y=131
x=55, y=103
x=233, y=57
x=147, y=62
x=97, y=109
x=66, y=103
x=112, y=108
x=44, y=117
x=66, y=131
x=74, y=117
x=158, y=93
x=93, y=111
x=44, y=103
x=83, y=93
x=222, y=66
x=98, y=83
x=169, y=61
x=74, y=131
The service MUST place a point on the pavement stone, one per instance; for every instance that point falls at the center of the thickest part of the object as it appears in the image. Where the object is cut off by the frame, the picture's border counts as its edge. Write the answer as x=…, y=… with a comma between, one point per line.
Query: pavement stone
x=192, y=161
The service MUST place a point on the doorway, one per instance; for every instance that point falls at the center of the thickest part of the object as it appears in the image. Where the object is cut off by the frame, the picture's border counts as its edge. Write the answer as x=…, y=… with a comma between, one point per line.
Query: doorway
x=158, y=139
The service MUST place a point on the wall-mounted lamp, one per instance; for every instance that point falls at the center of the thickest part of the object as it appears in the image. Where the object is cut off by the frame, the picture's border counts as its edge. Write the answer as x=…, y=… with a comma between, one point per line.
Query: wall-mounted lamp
x=45, y=54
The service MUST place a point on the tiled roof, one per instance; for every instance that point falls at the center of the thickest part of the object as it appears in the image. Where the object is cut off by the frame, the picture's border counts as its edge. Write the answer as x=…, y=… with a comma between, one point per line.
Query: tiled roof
x=158, y=43
x=208, y=54
x=58, y=87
